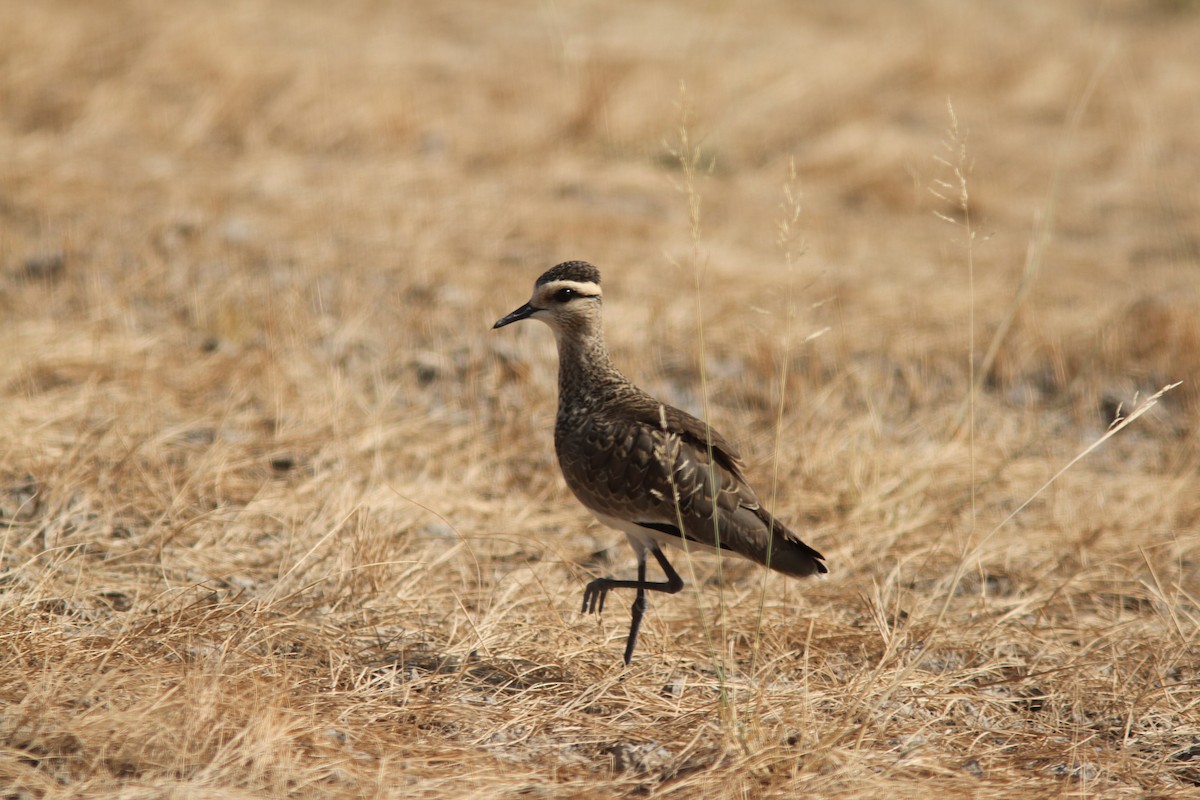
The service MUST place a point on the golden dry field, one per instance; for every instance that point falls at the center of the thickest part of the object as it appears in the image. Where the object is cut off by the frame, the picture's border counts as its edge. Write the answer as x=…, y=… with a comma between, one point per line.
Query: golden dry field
x=280, y=515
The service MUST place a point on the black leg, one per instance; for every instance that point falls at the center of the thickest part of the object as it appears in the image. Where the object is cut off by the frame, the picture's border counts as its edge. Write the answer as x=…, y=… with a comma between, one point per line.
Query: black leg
x=595, y=593
x=674, y=582
x=639, y=608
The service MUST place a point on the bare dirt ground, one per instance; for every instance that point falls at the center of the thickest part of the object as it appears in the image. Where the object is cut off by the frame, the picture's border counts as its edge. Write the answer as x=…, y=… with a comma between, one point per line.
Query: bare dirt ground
x=280, y=516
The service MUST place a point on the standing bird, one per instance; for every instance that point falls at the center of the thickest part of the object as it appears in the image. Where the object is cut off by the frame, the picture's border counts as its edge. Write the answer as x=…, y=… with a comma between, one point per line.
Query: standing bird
x=641, y=466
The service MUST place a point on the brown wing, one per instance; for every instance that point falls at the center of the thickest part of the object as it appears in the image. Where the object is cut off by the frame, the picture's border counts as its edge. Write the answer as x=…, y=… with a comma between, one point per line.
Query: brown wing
x=653, y=467
x=697, y=434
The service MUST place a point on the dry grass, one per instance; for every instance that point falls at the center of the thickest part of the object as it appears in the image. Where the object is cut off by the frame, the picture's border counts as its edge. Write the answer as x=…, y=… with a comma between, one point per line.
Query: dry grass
x=281, y=515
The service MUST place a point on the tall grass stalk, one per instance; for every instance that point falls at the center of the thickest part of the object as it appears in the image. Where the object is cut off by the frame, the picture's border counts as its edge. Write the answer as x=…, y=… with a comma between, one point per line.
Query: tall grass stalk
x=688, y=153
x=792, y=246
x=1035, y=253
x=955, y=194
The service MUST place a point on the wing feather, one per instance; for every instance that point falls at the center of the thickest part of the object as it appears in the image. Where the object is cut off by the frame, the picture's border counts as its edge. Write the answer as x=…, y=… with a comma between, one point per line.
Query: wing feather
x=654, y=466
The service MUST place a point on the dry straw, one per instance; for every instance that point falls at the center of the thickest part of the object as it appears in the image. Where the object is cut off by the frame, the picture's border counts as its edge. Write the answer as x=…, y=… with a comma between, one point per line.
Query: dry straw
x=278, y=518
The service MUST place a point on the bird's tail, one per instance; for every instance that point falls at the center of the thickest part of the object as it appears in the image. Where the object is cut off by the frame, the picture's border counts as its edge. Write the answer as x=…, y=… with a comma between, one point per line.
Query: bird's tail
x=789, y=555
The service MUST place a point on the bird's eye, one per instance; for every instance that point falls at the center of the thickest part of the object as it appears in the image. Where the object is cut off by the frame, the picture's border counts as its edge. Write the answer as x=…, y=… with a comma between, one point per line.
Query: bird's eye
x=563, y=295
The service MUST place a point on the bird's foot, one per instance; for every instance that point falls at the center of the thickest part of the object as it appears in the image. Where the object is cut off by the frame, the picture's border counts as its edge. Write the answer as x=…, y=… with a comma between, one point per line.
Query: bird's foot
x=594, y=595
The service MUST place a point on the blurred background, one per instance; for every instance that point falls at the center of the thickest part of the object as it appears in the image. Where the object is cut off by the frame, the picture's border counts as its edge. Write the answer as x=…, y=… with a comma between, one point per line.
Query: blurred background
x=260, y=453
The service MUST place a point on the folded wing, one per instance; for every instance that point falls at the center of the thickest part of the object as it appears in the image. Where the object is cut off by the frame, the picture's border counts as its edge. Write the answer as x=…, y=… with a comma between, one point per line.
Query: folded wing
x=663, y=468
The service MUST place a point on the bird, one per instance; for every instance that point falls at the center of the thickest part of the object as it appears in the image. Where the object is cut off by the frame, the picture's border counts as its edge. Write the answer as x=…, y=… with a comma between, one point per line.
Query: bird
x=641, y=466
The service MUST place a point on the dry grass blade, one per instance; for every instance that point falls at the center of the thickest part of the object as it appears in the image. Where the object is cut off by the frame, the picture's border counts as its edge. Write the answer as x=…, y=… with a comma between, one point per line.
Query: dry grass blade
x=279, y=518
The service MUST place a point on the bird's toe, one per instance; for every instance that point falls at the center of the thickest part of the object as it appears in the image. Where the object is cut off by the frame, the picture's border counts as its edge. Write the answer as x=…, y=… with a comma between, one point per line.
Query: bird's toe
x=594, y=595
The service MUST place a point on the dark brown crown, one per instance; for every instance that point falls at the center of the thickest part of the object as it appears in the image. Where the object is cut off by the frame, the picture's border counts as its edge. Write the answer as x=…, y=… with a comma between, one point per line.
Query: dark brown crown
x=580, y=271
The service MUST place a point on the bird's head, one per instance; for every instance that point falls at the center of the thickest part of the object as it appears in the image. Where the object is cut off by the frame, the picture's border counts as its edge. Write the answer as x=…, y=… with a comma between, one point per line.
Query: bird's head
x=565, y=297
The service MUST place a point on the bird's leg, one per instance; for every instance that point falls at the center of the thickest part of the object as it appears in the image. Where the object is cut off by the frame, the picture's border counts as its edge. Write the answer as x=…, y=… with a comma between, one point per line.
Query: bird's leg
x=596, y=592
x=674, y=583
x=639, y=608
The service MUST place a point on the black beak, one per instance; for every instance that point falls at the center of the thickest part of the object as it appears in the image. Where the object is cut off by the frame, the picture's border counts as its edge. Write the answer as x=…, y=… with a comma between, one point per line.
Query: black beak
x=521, y=313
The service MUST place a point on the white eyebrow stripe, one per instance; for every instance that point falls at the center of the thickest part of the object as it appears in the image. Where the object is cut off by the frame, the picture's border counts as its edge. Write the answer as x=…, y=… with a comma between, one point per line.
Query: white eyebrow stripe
x=585, y=288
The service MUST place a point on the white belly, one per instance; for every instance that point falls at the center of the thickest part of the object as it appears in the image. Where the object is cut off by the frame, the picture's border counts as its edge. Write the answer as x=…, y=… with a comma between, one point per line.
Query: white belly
x=642, y=539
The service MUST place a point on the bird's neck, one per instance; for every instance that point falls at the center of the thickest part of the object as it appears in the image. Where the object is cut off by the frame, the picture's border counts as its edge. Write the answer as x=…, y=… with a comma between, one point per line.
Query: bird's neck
x=584, y=367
